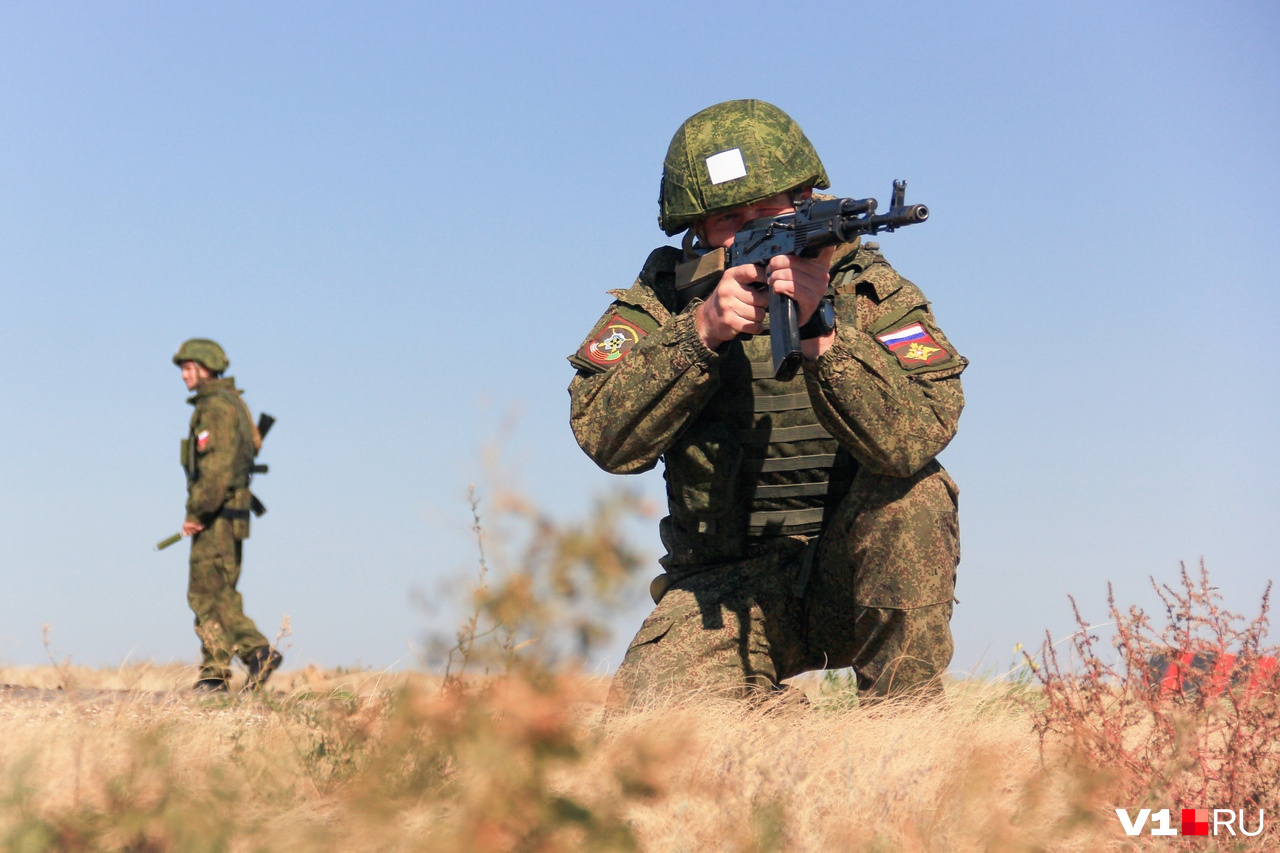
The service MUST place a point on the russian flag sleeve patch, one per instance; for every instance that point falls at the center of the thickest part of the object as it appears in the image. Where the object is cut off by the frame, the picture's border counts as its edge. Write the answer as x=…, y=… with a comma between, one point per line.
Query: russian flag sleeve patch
x=914, y=346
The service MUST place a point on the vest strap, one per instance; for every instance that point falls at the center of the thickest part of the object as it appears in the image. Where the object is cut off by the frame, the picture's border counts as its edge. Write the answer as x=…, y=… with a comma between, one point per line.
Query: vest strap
x=792, y=490
x=775, y=403
x=806, y=568
x=784, y=518
x=767, y=434
x=789, y=463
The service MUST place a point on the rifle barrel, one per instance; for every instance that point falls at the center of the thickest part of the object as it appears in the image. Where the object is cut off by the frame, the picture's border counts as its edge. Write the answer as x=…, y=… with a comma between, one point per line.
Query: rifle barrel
x=895, y=218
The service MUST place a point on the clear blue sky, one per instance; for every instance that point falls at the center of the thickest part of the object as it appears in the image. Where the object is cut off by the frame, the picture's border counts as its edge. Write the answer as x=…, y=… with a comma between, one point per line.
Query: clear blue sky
x=400, y=218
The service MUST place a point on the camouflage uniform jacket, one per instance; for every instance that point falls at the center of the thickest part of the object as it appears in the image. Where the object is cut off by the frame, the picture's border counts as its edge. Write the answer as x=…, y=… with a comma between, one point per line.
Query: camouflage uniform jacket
x=218, y=453
x=885, y=400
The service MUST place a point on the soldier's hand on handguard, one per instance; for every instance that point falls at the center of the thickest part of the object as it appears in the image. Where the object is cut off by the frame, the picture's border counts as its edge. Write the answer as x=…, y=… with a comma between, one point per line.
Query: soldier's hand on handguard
x=738, y=306
x=191, y=528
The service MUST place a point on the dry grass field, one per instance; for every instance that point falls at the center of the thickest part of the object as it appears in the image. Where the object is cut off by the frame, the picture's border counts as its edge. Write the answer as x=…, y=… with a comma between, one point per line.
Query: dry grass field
x=131, y=760
x=508, y=749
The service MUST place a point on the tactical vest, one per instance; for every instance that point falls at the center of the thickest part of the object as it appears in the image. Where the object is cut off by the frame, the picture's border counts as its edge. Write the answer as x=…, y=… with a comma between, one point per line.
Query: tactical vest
x=755, y=465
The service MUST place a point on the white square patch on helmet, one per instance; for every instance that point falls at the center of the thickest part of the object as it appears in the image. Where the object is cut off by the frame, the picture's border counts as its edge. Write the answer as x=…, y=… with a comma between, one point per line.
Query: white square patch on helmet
x=726, y=166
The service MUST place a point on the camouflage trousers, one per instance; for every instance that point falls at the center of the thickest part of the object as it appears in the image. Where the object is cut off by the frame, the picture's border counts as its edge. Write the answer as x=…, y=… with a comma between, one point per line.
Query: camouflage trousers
x=223, y=628
x=877, y=591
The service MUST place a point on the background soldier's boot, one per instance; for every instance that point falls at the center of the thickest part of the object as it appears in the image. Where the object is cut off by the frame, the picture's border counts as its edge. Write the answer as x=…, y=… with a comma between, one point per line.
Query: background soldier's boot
x=261, y=663
x=211, y=685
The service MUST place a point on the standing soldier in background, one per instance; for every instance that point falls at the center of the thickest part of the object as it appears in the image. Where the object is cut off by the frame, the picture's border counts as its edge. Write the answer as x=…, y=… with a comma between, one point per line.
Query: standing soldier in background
x=810, y=525
x=218, y=458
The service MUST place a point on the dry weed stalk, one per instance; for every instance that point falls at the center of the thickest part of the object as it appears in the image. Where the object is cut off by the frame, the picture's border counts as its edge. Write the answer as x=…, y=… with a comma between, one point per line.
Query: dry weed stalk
x=1202, y=736
x=545, y=590
x=485, y=764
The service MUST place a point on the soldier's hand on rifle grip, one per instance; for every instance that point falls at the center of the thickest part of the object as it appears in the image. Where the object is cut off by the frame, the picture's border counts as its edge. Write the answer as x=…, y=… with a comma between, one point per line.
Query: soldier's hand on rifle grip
x=737, y=306
x=805, y=281
x=802, y=279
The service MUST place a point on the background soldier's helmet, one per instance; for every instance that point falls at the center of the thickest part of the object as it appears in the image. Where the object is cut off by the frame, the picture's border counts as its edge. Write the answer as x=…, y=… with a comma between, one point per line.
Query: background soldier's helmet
x=734, y=153
x=205, y=352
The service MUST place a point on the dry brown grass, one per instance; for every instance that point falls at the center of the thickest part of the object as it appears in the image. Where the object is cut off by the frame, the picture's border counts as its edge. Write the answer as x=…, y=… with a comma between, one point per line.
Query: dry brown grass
x=148, y=678
x=509, y=750
x=959, y=774
x=337, y=761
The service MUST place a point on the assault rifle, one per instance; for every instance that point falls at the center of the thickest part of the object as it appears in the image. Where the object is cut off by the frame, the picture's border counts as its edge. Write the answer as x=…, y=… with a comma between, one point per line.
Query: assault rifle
x=814, y=225
x=265, y=423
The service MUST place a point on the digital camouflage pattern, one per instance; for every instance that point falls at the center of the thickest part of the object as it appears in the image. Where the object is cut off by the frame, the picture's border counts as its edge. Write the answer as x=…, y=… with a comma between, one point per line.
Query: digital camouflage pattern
x=217, y=456
x=219, y=450
x=772, y=156
x=738, y=631
x=883, y=583
x=879, y=592
x=203, y=351
x=729, y=632
x=224, y=630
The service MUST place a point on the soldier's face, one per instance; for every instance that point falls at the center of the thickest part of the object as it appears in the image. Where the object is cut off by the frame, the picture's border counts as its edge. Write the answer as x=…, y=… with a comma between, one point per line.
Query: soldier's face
x=194, y=374
x=718, y=229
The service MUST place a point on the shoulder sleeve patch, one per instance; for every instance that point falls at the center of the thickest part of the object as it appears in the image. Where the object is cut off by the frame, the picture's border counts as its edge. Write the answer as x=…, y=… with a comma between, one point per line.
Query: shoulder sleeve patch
x=914, y=347
x=614, y=340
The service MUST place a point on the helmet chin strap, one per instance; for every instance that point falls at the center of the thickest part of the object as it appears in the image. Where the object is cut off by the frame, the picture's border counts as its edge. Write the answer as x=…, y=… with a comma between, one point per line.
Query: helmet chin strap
x=687, y=244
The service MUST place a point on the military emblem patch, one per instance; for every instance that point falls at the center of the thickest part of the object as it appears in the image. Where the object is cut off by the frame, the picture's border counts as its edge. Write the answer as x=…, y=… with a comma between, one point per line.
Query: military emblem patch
x=202, y=440
x=612, y=342
x=914, y=346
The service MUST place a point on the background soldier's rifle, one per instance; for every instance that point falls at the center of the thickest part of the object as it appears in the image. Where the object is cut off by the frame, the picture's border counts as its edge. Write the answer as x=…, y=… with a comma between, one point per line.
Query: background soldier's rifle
x=265, y=423
x=814, y=225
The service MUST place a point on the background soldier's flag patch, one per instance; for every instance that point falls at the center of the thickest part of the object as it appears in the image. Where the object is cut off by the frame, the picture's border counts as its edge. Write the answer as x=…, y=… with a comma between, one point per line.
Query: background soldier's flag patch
x=202, y=440
x=914, y=346
x=612, y=342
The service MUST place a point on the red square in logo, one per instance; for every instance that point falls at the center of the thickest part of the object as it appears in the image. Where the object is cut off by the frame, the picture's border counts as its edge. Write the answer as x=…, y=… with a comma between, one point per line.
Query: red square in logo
x=1195, y=821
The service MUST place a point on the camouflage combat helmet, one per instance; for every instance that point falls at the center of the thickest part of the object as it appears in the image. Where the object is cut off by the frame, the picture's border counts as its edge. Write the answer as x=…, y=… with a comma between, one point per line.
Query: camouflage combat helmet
x=733, y=153
x=205, y=352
